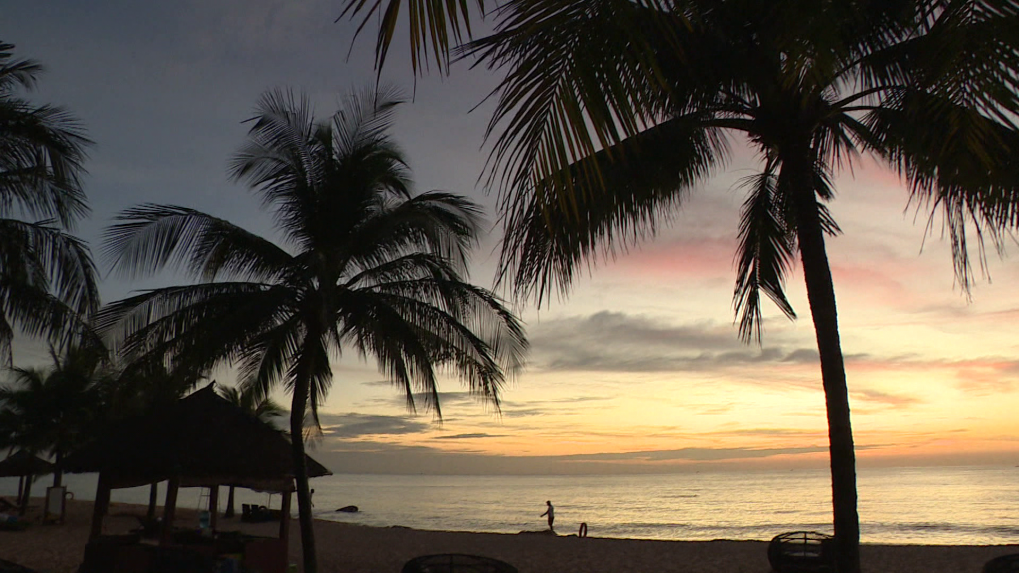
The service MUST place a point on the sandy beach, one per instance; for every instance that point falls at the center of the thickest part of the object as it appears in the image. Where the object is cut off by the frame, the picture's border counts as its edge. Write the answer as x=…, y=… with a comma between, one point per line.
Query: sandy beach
x=358, y=549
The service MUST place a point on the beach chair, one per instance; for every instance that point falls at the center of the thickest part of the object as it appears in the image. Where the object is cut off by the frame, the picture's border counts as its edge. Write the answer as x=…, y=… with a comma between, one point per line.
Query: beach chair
x=7, y=506
x=802, y=552
x=456, y=563
x=1003, y=564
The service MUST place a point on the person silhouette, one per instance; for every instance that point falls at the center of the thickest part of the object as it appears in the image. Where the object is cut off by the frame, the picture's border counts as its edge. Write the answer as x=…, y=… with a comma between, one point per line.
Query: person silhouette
x=550, y=512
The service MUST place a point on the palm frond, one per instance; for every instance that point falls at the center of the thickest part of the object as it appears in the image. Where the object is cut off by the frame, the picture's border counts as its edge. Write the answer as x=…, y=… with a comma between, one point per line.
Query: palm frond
x=435, y=26
x=956, y=160
x=43, y=150
x=764, y=256
x=642, y=179
x=150, y=237
x=581, y=76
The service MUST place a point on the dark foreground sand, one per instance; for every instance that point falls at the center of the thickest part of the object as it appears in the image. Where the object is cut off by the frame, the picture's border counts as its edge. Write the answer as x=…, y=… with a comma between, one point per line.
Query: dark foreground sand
x=357, y=549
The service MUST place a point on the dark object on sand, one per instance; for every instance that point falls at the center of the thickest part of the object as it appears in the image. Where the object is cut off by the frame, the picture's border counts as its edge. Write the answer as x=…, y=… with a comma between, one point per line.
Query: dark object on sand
x=456, y=563
x=8, y=567
x=348, y=509
x=802, y=552
x=258, y=513
x=1003, y=564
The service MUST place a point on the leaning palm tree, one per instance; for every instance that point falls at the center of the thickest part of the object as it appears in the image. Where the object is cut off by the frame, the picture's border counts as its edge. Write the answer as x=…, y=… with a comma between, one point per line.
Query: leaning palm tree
x=367, y=266
x=249, y=398
x=611, y=111
x=47, y=279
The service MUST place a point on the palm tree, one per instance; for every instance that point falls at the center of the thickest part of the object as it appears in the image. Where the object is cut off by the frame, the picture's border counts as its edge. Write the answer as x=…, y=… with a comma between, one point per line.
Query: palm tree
x=55, y=409
x=368, y=266
x=610, y=111
x=47, y=278
x=250, y=399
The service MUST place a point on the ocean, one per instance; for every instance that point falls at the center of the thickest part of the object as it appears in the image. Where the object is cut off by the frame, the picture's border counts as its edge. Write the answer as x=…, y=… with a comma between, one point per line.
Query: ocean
x=933, y=506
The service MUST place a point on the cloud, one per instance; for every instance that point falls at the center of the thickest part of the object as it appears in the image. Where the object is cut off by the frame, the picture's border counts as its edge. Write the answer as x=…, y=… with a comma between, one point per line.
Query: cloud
x=698, y=454
x=446, y=399
x=884, y=398
x=617, y=342
x=987, y=376
x=469, y=436
x=357, y=425
x=377, y=457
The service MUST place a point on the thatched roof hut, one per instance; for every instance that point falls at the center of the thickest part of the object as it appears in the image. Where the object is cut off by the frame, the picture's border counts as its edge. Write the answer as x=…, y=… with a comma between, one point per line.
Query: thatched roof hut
x=23, y=463
x=201, y=440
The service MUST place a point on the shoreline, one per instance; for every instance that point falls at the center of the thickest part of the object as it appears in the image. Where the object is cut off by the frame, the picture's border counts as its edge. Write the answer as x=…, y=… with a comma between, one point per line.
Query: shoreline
x=354, y=548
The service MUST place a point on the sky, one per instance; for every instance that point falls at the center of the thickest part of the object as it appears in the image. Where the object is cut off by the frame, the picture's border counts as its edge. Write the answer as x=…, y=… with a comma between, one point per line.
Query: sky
x=640, y=368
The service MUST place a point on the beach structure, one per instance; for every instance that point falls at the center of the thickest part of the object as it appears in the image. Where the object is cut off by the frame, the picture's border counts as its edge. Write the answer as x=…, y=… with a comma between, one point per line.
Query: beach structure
x=25, y=466
x=199, y=441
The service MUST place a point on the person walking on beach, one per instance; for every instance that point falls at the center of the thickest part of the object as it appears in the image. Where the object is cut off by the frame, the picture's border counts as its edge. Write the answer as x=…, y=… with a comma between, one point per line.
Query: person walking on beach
x=550, y=512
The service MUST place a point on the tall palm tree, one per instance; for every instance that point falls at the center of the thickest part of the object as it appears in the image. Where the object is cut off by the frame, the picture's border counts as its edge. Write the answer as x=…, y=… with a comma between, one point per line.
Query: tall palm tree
x=47, y=278
x=367, y=266
x=249, y=398
x=610, y=111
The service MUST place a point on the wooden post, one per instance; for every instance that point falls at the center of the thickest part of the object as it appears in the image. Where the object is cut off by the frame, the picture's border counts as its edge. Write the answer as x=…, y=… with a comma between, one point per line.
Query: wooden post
x=150, y=515
x=169, y=510
x=285, y=519
x=100, y=506
x=213, y=506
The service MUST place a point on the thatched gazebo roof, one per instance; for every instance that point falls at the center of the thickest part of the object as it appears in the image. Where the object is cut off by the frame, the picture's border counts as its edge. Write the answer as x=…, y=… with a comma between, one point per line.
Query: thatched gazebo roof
x=202, y=440
x=23, y=463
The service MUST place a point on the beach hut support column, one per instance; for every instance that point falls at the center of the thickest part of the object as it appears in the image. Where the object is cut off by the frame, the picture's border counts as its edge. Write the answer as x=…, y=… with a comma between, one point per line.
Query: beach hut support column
x=100, y=507
x=169, y=510
x=150, y=515
x=285, y=518
x=213, y=506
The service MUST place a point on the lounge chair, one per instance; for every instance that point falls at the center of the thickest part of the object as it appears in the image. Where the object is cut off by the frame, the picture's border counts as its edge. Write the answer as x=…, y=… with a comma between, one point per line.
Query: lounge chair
x=802, y=552
x=7, y=506
x=456, y=563
x=1003, y=564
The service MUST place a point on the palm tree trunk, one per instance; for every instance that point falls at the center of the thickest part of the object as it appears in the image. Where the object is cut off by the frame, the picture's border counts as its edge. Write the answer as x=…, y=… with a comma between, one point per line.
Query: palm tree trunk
x=58, y=472
x=229, y=503
x=821, y=295
x=298, y=408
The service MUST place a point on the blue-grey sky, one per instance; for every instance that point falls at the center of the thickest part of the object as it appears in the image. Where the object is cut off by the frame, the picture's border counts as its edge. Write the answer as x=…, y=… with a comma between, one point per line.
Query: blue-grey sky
x=640, y=369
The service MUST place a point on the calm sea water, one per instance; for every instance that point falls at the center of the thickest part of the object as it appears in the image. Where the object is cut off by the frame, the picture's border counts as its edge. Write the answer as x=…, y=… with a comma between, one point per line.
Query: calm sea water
x=952, y=506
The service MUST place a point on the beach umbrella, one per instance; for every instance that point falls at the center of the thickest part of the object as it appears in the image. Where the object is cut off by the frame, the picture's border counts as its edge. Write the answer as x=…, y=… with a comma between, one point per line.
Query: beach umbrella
x=23, y=464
